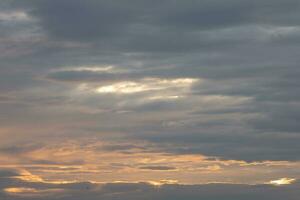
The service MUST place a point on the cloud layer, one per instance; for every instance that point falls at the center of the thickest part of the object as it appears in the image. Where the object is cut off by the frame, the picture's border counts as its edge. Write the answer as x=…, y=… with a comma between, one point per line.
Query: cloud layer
x=13, y=187
x=199, y=91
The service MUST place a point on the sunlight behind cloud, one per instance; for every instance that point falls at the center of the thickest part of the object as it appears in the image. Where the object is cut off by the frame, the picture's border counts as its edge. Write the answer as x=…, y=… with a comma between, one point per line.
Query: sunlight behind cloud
x=128, y=87
x=93, y=68
x=28, y=177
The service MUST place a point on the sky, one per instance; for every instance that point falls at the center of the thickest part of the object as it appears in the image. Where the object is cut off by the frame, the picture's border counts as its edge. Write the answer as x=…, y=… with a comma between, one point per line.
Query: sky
x=149, y=99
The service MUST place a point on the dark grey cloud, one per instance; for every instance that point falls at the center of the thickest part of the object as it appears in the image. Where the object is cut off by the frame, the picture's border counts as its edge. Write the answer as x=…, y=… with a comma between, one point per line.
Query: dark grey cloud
x=7, y=173
x=102, y=19
x=20, y=149
x=85, y=20
x=249, y=147
x=88, y=76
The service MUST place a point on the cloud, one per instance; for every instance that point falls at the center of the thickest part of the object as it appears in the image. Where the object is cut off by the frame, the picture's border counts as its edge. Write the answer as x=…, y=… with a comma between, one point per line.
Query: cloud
x=167, y=79
x=8, y=173
x=105, y=20
x=22, y=190
x=283, y=181
x=157, y=168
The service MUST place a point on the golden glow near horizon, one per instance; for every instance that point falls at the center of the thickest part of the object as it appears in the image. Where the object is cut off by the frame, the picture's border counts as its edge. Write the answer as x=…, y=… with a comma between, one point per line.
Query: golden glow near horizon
x=138, y=165
x=20, y=190
x=28, y=177
x=54, y=187
x=31, y=192
x=282, y=181
x=163, y=182
x=155, y=182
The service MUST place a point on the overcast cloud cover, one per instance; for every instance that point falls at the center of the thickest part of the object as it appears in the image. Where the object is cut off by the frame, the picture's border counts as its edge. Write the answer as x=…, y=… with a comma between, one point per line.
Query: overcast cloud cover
x=195, y=91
